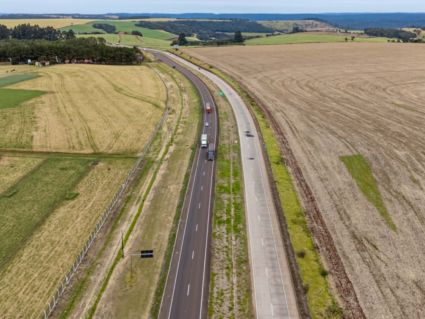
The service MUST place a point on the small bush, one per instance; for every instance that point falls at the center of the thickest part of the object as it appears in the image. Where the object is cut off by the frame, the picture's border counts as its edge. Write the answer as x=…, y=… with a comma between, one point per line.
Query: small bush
x=324, y=272
x=306, y=287
x=334, y=310
x=301, y=253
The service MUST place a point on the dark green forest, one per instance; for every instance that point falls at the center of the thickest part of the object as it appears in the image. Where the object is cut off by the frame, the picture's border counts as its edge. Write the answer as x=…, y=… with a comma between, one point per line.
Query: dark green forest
x=80, y=49
x=28, y=32
x=206, y=30
x=390, y=33
x=108, y=28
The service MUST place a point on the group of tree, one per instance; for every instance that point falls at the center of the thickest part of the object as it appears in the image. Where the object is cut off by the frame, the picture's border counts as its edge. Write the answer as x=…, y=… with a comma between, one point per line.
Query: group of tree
x=79, y=49
x=238, y=38
x=390, y=33
x=108, y=28
x=135, y=32
x=352, y=39
x=29, y=32
x=206, y=29
x=297, y=29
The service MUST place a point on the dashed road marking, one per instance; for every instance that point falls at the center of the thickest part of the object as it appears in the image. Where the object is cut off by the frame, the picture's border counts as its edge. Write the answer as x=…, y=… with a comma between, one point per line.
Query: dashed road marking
x=188, y=288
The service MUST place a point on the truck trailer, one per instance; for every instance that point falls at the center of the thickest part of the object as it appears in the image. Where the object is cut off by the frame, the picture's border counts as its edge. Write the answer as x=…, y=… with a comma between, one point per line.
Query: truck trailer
x=211, y=151
x=204, y=140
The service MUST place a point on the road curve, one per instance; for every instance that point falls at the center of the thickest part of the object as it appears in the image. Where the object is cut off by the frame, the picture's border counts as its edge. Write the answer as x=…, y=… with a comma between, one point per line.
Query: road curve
x=187, y=288
x=274, y=293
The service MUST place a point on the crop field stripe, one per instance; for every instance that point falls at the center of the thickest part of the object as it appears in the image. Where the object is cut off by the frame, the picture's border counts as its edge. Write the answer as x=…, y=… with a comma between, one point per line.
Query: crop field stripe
x=19, y=222
x=13, y=98
x=16, y=78
x=360, y=170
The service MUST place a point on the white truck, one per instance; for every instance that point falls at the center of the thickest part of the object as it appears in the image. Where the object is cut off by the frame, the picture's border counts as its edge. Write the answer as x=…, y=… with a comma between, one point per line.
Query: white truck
x=204, y=140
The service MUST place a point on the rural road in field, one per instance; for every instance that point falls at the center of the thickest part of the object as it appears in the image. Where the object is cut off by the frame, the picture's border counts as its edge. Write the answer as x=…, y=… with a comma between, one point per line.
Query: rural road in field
x=273, y=288
x=187, y=288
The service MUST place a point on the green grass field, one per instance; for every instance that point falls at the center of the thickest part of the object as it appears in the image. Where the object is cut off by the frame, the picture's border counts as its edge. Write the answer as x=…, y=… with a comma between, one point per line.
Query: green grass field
x=121, y=26
x=23, y=206
x=12, y=98
x=16, y=78
x=308, y=38
x=362, y=174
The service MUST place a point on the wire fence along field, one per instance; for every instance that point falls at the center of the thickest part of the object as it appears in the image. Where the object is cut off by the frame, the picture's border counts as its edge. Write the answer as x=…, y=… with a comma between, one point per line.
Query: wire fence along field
x=51, y=305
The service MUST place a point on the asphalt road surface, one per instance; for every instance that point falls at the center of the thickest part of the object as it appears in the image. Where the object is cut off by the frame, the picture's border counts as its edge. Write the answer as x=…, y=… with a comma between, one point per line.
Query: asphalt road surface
x=187, y=287
x=273, y=289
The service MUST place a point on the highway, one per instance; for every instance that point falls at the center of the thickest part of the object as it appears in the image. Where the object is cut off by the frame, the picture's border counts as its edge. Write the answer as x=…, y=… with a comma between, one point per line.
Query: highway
x=187, y=287
x=274, y=295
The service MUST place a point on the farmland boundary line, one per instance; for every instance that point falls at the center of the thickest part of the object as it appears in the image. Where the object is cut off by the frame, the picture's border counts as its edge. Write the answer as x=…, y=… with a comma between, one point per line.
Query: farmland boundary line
x=56, y=296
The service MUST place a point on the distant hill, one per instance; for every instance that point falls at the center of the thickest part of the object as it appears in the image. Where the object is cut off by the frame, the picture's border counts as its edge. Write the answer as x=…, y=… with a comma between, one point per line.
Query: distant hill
x=358, y=21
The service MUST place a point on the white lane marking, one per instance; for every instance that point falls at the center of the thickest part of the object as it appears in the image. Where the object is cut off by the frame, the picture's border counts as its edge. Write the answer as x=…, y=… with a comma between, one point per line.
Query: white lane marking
x=193, y=252
x=267, y=273
x=202, y=187
x=188, y=288
x=261, y=173
x=259, y=218
x=249, y=146
x=205, y=161
x=252, y=169
x=196, y=227
x=199, y=205
x=208, y=224
x=181, y=247
x=262, y=242
x=256, y=199
x=272, y=309
x=204, y=173
x=253, y=182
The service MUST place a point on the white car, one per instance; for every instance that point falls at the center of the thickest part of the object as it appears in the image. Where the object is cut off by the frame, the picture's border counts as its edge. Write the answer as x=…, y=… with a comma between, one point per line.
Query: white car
x=207, y=124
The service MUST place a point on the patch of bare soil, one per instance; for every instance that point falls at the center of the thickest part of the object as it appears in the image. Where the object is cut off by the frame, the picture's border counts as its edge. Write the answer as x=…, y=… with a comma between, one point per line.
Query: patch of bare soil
x=332, y=100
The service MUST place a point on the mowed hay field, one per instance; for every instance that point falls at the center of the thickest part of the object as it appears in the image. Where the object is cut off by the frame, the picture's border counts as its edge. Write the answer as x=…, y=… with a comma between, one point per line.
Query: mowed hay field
x=42, y=231
x=50, y=203
x=354, y=116
x=55, y=23
x=88, y=109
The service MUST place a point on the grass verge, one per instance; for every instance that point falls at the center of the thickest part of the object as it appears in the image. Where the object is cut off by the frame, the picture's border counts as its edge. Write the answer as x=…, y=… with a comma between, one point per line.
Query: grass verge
x=362, y=174
x=320, y=300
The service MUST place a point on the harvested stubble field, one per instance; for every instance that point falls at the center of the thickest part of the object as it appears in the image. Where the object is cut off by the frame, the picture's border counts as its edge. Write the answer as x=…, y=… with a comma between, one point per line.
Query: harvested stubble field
x=88, y=109
x=50, y=204
x=44, y=250
x=334, y=101
x=55, y=23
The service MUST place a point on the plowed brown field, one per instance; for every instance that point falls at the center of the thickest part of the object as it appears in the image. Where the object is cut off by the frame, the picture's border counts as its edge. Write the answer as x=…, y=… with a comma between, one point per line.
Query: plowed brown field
x=339, y=99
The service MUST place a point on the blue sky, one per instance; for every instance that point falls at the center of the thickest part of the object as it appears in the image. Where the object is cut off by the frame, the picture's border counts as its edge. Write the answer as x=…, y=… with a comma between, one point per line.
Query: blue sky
x=210, y=6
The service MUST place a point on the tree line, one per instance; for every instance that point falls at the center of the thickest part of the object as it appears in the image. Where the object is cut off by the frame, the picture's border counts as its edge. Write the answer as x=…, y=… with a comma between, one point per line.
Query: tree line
x=29, y=32
x=390, y=33
x=73, y=50
x=206, y=30
x=108, y=28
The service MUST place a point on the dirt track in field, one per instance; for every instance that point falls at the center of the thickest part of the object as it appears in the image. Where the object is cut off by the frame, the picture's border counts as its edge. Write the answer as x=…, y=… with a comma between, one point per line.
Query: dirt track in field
x=332, y=100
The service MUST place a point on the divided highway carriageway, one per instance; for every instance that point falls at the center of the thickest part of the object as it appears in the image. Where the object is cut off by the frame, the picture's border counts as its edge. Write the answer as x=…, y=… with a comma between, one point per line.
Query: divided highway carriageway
x=187, y=288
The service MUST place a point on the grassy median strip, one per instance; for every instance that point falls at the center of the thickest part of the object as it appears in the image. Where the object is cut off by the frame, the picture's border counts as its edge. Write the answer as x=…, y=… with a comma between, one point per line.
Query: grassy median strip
x=362, y=174
x=321, y=302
